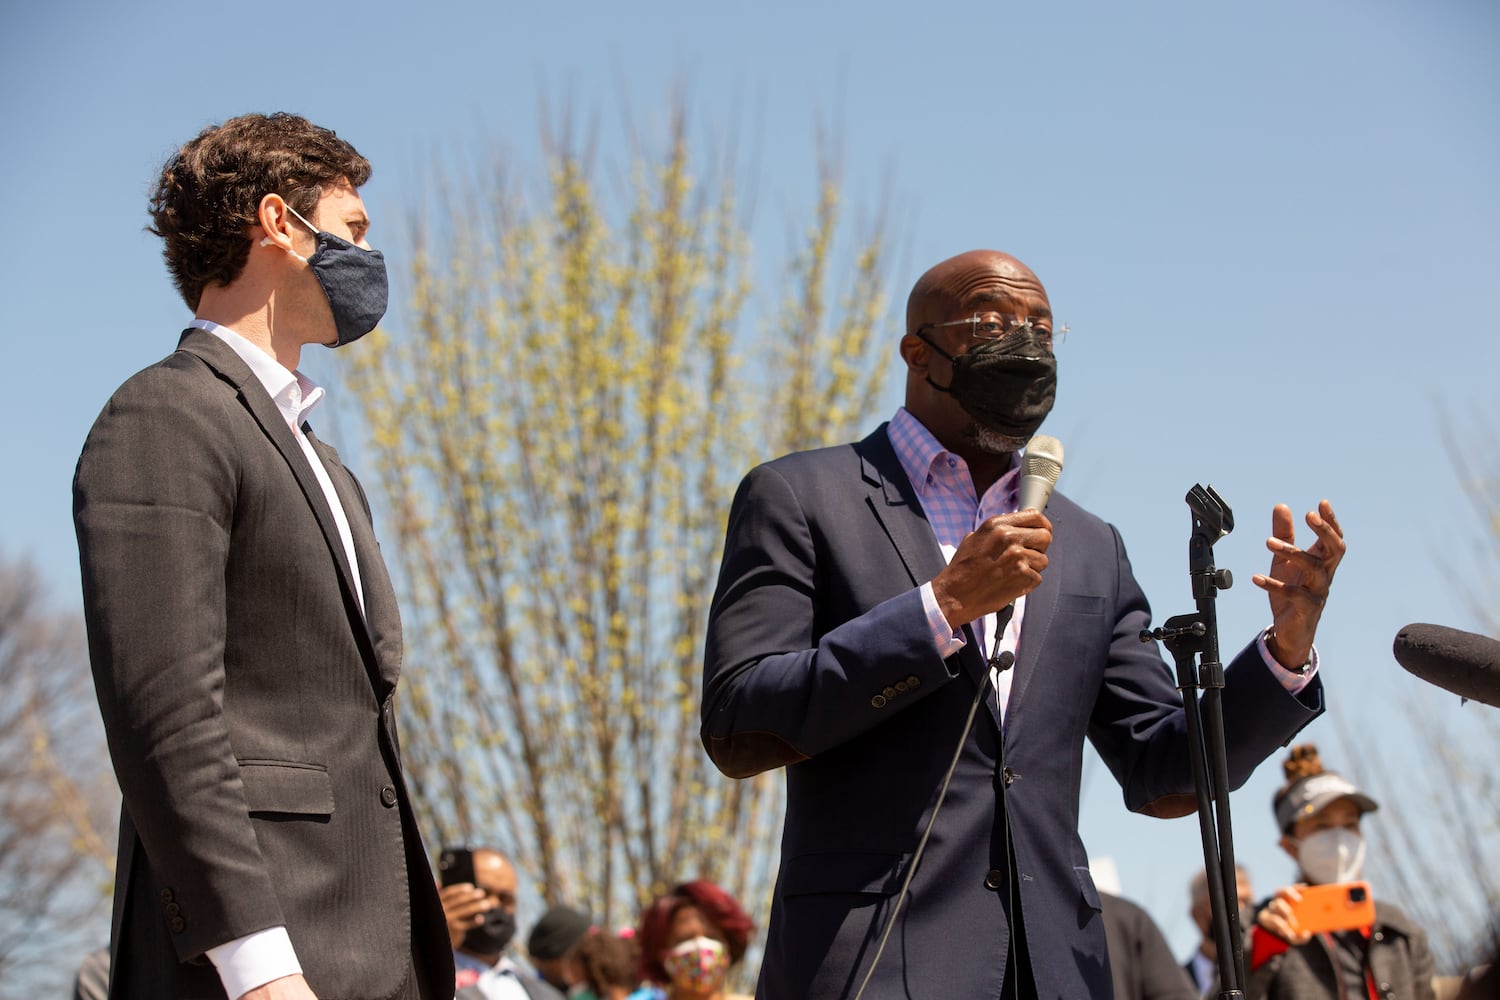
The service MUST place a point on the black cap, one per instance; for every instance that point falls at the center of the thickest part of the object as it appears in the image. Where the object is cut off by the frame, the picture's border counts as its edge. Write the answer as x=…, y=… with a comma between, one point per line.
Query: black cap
x=556, y=934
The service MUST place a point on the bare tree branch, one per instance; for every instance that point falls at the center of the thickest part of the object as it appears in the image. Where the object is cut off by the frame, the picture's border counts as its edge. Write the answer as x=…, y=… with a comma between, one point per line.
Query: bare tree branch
x=57, y=796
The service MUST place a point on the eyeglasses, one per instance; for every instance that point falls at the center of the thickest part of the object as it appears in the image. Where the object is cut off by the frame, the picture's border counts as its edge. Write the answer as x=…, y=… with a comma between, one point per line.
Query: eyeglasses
x=992, y=327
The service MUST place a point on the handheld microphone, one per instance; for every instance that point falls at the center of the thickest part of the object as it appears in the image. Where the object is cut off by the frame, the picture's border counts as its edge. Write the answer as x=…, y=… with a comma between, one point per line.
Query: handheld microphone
x=1040, y=467
x=1465, y=663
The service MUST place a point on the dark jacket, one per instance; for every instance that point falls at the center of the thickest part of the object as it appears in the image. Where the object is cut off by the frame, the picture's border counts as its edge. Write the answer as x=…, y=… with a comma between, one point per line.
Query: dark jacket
x=1399, y=963
x=246, y=695
x=1139, y=959
x=820, y=658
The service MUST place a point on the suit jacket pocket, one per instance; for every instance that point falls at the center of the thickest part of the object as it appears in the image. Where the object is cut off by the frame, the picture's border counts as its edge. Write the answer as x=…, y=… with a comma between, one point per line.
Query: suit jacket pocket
x=1080, y=604
x=843, y=872
x=284, y=786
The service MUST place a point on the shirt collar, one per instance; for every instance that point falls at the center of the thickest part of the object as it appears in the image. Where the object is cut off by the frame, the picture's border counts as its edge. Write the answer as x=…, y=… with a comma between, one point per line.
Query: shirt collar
x=918, y=452
x=294, y=394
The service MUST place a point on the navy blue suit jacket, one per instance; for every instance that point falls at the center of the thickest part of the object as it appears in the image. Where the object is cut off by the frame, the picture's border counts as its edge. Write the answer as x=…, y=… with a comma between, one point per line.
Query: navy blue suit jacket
x=820, y=659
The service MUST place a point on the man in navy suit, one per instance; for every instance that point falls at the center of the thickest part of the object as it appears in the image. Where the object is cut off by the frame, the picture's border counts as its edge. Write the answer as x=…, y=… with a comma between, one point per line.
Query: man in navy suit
x=875, y=596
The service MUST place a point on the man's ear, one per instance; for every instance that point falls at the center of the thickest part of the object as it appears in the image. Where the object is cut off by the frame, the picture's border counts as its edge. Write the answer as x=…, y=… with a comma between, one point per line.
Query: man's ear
x=915, y=352
x=275, y=222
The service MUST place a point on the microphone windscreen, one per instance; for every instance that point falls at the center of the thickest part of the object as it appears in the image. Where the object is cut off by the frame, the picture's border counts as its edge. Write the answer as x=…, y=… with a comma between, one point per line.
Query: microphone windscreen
x=1466, y=663
x=1040, y=468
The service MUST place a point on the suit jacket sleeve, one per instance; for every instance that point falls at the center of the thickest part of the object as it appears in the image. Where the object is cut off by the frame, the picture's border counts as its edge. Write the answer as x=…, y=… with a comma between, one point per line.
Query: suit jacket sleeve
x=777, y=687
x=1138, y=724
x=154, y=505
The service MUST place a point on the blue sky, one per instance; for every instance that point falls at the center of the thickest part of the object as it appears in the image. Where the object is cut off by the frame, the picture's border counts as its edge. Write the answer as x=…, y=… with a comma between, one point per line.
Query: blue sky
x=1274, y=230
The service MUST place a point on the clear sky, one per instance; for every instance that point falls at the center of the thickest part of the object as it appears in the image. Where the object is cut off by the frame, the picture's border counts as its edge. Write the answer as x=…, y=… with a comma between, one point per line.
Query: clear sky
x=1273, y=228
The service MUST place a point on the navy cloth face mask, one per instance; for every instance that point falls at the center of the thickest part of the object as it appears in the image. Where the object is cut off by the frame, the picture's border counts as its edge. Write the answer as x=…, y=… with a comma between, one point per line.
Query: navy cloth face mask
x=353, y=280
x=1007, y=385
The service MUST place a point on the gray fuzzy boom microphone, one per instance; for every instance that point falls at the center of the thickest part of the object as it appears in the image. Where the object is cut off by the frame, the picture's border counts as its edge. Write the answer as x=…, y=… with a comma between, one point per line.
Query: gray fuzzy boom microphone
x=1465, y=663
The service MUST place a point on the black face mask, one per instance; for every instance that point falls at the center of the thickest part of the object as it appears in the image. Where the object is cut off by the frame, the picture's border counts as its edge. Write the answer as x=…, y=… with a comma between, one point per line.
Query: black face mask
x=491, y=937
x=1008, y=385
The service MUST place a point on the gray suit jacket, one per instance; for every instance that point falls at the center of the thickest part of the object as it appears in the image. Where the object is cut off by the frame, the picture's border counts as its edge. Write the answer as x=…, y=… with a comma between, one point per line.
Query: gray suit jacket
x=246, y=696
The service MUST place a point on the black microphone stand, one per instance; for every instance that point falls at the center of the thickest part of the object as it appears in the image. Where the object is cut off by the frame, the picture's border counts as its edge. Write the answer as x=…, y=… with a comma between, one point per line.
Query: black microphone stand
x=1197, y=634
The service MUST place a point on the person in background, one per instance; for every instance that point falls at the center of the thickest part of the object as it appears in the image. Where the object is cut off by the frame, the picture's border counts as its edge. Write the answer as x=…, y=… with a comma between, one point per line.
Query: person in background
x=92, y=981
x=553, y=948
x=1140, y=960
x=1203, y=965
x=690, y=939
x=481, y=923
x=1318, y=813
x=612, y=967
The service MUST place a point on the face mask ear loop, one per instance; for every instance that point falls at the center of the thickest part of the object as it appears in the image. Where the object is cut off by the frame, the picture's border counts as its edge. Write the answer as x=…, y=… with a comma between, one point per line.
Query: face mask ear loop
x=928, y=341
x=316, y=231
x=268, y=242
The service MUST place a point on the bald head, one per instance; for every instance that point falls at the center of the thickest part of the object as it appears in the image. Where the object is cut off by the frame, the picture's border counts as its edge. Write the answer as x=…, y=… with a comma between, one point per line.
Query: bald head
x=976, y=281
x=494, y=873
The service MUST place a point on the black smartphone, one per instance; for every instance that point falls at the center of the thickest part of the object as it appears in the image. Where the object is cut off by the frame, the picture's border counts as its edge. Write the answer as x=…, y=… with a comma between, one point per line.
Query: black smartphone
x=455, y=865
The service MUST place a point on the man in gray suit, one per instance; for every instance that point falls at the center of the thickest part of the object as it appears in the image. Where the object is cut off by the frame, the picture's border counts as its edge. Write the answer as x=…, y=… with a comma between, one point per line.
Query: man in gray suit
x=243, y=630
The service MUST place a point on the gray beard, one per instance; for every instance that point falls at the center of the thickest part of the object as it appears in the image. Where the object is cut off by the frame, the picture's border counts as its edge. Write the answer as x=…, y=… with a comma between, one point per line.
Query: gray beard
x=993, y=442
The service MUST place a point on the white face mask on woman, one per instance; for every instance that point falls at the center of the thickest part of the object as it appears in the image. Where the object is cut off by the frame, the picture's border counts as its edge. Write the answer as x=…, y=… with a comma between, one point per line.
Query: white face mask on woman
x=1329, y=856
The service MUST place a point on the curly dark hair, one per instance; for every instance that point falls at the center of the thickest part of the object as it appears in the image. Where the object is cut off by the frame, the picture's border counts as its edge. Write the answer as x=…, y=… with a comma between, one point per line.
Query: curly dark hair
x=208, y=195
x=718, y=908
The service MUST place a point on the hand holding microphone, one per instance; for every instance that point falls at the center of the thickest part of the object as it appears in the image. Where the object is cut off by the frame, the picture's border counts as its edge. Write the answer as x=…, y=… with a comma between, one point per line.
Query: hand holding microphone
x=1004, y=557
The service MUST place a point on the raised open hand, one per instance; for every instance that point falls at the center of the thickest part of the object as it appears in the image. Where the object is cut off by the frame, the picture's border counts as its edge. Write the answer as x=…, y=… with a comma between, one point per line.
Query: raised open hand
x=1298, y=581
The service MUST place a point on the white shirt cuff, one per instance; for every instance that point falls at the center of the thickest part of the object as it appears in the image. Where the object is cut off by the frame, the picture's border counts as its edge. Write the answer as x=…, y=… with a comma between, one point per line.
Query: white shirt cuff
x=945, y=638
x=254, y=960
x=1292, y=680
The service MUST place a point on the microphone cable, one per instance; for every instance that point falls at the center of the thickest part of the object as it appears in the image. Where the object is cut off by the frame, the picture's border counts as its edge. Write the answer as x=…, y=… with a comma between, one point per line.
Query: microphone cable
x=911, y=869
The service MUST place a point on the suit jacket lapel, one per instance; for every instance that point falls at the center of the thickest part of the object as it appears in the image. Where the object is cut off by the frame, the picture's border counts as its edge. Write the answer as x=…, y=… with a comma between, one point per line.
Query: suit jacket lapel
x=381, y=611
x=894, y=503
x=1041, y=610
x=221, y=358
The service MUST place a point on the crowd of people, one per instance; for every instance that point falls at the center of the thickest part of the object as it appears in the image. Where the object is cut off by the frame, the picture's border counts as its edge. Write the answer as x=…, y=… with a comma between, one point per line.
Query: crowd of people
x=683, y=947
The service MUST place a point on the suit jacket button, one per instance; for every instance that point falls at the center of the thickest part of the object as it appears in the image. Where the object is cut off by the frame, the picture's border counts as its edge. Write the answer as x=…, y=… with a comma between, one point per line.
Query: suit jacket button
x=177, y=925
x=889, y=693
x=388, y=796
x=166, y=896
x=902, y=687
x=913, y=681
x=994, y=878
x=878, y=701
x=173, y=910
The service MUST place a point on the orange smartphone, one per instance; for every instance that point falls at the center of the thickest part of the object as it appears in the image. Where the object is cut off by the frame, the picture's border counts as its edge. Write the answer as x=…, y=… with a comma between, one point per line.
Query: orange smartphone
x=1341, y=906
